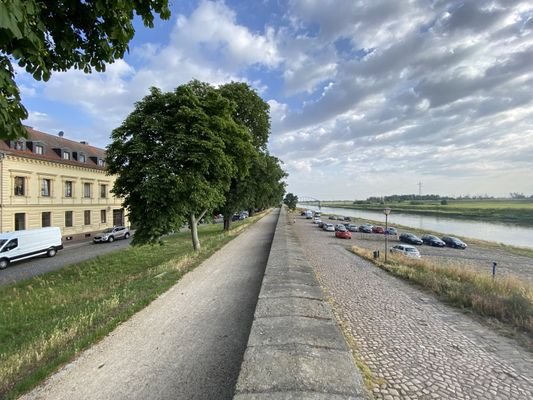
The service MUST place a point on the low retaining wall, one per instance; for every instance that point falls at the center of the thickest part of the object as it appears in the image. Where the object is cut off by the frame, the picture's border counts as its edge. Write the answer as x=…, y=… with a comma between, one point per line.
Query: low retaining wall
x=295, y=349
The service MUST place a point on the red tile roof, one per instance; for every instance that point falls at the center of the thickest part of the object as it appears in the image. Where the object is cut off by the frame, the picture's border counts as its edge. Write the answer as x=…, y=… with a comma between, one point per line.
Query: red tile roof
x=51, y=142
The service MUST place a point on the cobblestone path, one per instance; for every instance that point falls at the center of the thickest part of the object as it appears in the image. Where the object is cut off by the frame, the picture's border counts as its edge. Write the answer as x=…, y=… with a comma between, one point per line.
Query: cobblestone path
x=415, y=346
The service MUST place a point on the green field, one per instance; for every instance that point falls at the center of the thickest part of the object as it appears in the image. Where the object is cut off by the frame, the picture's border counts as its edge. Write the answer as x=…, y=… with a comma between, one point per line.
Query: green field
x=47, y=320
x=517, y=212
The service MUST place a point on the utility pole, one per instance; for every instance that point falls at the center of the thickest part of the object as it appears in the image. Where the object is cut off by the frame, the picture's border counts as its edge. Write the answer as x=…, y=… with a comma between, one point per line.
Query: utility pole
x=419, y=188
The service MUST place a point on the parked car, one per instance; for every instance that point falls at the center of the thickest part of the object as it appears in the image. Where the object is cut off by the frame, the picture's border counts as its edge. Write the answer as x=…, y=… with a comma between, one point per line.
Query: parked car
x=339, y=226
x=112, y=234
x=352, y=228
x=378, y=229
x=332, y=217
x=343, y=233
x=433, y=241
x=329, y=227
x=236, y=217
x=454, y=242
x=316, y=220
x=347, y=219
x=366, y=228
x=302, y=213
x=406, y=250
x=321, y=224
x=391, y=231
x=340, y=218
x=410, y=238
x=317, y=213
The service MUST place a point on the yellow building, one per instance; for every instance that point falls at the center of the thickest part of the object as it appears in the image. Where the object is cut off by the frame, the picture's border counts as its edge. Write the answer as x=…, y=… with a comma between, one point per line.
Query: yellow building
x=47, y=180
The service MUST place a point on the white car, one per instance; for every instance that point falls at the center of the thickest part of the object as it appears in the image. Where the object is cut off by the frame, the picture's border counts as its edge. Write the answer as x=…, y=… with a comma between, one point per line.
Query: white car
x=406, y=250
x=316, y=220
x=328, y=227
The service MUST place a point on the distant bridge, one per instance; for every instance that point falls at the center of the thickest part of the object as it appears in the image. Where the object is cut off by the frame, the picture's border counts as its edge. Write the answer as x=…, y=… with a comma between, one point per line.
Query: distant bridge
x=309, y=201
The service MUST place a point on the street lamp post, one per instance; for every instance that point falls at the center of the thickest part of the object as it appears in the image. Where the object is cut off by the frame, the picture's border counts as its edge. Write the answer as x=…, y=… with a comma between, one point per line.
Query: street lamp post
x=386, y=211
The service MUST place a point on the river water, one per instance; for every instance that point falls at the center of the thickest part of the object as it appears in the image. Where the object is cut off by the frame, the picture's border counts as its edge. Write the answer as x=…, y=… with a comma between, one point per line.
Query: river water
x=494, y=232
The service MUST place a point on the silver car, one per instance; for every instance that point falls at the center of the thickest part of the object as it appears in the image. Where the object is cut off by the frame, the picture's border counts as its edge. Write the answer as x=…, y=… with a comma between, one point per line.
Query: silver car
x=111, y=234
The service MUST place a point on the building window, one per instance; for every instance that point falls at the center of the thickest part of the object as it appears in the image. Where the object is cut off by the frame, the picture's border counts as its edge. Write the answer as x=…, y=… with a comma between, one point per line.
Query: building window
x=20, y=221
x=103, y=216
x=46, y=219
x=45, y=187
x=68, y=188
x=87, y=217
x=19, y=145
x=81, y=157
x=20, y=189
x=68, y=219
x=38, y=149
x=103, y=191
x=101, y=162
x=66, y=155
x=87, y=190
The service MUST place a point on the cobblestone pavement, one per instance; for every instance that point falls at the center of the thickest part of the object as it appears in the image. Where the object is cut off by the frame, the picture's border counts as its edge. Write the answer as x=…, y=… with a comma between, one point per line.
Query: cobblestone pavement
x=415, y=346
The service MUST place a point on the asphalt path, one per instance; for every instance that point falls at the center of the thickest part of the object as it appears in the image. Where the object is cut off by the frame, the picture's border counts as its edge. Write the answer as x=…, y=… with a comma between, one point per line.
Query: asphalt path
x=187, y=344
x=72, y=254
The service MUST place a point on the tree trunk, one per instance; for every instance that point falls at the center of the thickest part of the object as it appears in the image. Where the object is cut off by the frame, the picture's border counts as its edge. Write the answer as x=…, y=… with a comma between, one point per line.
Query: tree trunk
x=194, y=232
x=227, y=222
x=251, y=212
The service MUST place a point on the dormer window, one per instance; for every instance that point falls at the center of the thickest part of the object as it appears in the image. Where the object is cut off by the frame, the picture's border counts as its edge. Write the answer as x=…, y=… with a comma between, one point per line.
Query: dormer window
x=66, y=155
x=20, y=145
x=101, y=162
x=81, y=157
x=38, y=149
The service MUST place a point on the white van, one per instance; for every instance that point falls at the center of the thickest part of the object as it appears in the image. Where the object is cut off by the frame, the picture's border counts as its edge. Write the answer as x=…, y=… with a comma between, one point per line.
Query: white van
x=20, y=245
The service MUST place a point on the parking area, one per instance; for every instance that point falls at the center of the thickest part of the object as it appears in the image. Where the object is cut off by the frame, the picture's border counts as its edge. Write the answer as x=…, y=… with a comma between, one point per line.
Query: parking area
x=475, y=256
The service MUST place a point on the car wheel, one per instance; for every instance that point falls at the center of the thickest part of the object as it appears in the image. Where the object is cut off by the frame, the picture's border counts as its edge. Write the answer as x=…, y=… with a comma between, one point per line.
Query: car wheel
x=127, y=236
x=4, y=262
x=51, y=252
x=111, y=239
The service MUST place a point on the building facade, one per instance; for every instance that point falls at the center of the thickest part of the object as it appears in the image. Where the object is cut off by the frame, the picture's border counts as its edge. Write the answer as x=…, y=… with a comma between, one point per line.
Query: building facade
x=48, y=180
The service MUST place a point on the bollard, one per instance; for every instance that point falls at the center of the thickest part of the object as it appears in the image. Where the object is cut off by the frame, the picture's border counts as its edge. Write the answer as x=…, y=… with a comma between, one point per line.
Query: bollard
x=376, y=254
x=494, y=269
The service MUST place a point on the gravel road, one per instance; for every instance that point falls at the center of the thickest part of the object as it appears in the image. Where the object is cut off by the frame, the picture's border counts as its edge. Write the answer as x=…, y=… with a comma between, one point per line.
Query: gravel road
x=71, y=254
x=415, y=346
x=187, y=344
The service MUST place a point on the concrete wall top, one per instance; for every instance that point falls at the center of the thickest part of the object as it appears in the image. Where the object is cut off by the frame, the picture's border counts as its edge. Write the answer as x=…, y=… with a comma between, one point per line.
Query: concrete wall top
x=295, y=349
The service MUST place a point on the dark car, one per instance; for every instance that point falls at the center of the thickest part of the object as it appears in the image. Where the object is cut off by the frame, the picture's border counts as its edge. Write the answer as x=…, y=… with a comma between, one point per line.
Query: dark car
x=237, y=217
x=410, y=238
x=391, y=231
x=320, y=224
x=378, y=229
x=333, y=217
x=339, y=227
x=433, y=241
x=366, y=228
x=347, y=219
x=454, y=242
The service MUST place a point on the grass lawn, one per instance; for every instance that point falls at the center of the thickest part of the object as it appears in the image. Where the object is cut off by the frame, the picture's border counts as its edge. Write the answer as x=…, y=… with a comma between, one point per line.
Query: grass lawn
x=47, y=320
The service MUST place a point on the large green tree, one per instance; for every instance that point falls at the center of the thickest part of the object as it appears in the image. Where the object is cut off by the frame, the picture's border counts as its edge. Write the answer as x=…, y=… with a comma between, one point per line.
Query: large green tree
x=45, y=36
x=175, y=156
x=252, y=112
x=291, y=200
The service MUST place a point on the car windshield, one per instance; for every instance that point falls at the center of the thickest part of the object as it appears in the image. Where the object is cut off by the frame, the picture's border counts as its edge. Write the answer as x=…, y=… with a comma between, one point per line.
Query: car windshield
x=410, y=249
x=108, y=230
x=2, y=241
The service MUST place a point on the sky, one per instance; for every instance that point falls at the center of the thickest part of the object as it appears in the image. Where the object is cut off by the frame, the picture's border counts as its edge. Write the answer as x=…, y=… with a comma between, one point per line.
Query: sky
x=367, y=98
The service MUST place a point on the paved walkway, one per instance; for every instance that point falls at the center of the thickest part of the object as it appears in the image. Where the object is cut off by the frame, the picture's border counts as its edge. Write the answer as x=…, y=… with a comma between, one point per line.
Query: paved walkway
x=417, y=347
x=187, y=344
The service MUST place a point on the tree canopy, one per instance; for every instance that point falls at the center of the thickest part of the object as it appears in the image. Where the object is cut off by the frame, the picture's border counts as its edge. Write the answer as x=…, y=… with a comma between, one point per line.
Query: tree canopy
x=46, y=36
x=291, y=200
x=175, y=156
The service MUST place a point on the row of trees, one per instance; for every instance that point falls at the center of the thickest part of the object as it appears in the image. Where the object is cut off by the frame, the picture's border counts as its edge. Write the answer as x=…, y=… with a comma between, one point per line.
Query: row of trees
x=194, y=150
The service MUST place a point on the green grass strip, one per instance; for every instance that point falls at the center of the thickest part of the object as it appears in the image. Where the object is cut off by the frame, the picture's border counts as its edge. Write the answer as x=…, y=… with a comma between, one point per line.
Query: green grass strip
x=47, y=320
x=507, y=299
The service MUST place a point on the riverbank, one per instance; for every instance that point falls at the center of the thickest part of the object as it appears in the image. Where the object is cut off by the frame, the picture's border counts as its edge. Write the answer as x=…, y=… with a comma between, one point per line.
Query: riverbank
x=511, y=212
